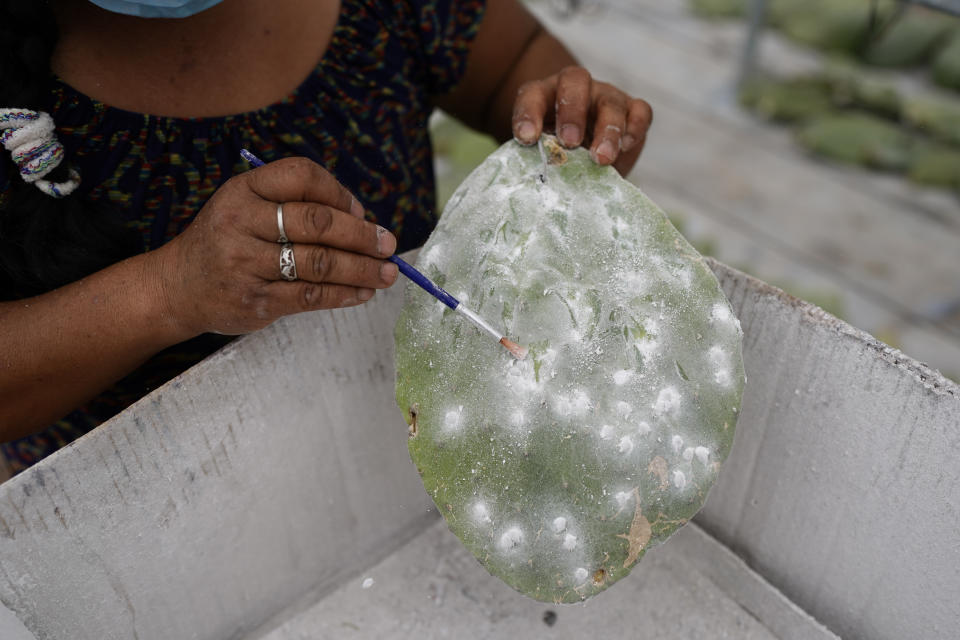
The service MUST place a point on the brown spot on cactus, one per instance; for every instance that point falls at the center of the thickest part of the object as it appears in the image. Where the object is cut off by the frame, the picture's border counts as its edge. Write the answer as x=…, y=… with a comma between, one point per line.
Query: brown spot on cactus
x=412, y=420
x=658, y=468
x=555, y=153
x=639, y=535
x=552, y=465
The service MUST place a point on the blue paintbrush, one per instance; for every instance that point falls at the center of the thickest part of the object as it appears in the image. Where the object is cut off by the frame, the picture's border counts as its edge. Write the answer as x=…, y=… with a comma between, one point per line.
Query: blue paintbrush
x=427, y=285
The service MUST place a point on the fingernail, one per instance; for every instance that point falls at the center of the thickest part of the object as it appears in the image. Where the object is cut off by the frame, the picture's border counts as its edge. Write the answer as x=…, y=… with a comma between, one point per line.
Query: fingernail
x=570, y=135
x=386, y=243
x=606, y=151
x=526, y=132
x=349, y=302
x=356, y=208
x=627, y=142
x=365, y=294
x=388, y=272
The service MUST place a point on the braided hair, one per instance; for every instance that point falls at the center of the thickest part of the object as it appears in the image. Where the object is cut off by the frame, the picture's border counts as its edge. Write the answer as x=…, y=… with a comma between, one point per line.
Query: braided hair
x=45, y=242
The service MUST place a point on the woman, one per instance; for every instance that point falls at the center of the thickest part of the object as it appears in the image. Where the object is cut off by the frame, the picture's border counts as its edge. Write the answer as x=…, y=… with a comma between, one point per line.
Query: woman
x=148, y=243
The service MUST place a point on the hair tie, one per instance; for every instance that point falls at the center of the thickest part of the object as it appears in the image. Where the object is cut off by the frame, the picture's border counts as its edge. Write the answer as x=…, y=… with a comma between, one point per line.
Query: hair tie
x=29, y=137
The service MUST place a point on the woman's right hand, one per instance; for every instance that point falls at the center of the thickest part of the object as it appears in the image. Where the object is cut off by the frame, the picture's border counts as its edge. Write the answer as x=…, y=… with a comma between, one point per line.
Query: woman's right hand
x=222, y=274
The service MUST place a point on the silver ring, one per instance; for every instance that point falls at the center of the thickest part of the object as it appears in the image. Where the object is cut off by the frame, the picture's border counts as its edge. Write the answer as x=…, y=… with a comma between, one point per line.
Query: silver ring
x=288, y=266
x=283, y=234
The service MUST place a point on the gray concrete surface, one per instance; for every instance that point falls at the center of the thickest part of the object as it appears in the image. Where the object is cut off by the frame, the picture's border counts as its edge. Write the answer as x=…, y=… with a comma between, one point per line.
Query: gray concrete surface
x=276, y=472
x=432, y=588
x=10, y=626
x=886, y=248
x=843, y=486
x=268, y=473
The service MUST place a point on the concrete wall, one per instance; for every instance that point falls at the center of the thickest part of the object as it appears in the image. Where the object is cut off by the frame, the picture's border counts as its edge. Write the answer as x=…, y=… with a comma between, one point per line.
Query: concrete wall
x=843, y=487
x=266, y=475
x=276, y=467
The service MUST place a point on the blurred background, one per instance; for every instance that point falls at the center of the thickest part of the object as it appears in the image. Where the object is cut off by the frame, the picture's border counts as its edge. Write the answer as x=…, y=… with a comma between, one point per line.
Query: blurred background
x=814, y=144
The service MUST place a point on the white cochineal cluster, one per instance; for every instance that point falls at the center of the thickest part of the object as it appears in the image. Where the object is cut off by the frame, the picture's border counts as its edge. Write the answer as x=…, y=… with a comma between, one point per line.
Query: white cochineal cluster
x=559, y=471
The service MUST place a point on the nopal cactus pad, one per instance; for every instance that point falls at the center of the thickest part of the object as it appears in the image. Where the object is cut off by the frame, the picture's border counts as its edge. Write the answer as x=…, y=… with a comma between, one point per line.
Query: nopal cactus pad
x=558, y=472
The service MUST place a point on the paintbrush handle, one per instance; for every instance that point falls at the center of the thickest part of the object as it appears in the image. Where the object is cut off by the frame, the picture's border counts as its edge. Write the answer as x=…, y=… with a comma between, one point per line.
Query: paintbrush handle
x=443, y=296
x=424, y=282
x=252, y=159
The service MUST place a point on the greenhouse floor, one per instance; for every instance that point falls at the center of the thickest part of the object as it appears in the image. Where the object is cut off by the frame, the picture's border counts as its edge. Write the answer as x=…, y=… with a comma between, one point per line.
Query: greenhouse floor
x=690, y=587
x=873, y=249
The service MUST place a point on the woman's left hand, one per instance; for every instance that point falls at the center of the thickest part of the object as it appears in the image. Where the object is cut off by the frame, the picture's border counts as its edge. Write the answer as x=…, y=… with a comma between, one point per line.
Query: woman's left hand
x=583, y=111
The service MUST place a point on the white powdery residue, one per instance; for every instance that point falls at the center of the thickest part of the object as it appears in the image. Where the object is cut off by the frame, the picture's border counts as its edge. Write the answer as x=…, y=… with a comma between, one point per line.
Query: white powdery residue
x=481, y=513
x=688, y=454
x=532, y=240
x=493, y=247
x=605, y=432
x=720, y=313
x=432, y=257
x=667, y=401
x=650, y=326
x=624, y=409
x=582, y=310
x=546, y=360
x=679, y=479
x=720, y=360
x=569, y=542
x=677, y=443
x=622, y=498
x=559, y=524
x=580, y=574
x=643, y=428
x=686, y=277
x=632, y=284
x=647, y=347
x=576, y=403
x=517, y=419
x=703, y=454
x=621, y=225
x=511, y=538
x=580, y=402
x=453, y=419
x=622, y=376
x=521, y=377
x=367, y=583
x=625, y=445
x=549, y=199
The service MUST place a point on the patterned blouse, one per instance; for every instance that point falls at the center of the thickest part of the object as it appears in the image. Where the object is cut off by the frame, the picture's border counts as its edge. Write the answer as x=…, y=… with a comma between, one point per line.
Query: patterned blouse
x=362, y=114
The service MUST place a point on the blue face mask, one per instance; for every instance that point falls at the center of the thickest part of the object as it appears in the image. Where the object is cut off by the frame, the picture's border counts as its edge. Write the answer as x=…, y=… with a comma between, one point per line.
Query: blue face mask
x=156, y=8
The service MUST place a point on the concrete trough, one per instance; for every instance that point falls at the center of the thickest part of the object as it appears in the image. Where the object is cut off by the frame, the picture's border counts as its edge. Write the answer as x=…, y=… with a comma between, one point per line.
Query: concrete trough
x=253, y=497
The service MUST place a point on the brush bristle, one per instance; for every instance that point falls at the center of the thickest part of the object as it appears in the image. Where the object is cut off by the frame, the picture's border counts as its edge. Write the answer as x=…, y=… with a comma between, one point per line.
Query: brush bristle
x=518, y=352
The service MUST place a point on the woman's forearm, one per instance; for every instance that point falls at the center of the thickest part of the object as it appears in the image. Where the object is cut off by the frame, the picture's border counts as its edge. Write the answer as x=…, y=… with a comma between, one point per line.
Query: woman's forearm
x=542, y=56
x=62, y=348
x=511, y=48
